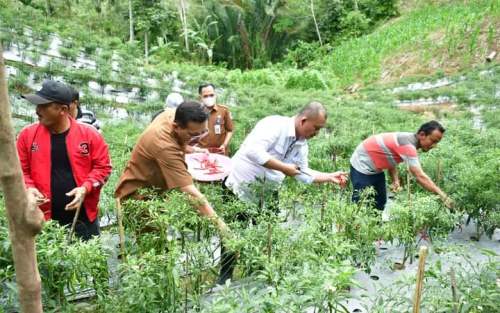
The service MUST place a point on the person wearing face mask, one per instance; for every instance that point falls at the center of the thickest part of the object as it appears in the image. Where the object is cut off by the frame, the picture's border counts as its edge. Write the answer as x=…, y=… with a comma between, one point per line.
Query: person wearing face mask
x=220, y=123
x=384, y=151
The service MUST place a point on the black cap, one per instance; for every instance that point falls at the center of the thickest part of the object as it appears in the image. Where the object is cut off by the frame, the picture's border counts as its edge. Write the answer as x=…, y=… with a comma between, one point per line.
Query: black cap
x=51, y=91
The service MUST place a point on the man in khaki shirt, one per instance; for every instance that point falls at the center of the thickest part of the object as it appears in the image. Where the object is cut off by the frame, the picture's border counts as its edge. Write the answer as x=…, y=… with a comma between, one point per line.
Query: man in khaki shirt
x=220, y=123
x=158, y=158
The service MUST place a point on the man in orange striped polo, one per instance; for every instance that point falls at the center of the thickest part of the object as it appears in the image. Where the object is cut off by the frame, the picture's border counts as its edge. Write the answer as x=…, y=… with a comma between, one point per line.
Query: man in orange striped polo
x=384, y=151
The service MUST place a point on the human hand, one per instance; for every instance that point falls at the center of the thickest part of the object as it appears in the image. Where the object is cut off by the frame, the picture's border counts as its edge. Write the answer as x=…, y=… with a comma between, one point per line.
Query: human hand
x=290, y=169
x=222, y=149
x=35, y=196
x=395, y=186
x=339, y=178
x=79, y=194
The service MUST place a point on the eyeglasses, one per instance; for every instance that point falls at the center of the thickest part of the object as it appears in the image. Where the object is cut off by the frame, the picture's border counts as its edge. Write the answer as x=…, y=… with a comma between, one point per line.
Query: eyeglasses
x=198, y=135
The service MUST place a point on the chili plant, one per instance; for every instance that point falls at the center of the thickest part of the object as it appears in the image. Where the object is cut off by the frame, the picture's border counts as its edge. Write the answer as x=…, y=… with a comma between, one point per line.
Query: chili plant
x=425, y=215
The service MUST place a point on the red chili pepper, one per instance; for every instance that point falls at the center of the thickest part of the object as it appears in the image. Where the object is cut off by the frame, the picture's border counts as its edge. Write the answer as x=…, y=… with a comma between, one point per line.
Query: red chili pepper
x=211, y=166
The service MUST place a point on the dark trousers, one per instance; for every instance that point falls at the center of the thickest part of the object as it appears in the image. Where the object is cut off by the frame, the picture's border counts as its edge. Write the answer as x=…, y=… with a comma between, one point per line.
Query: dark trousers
x=85, y=230
x=362, y=181
x=268, y=207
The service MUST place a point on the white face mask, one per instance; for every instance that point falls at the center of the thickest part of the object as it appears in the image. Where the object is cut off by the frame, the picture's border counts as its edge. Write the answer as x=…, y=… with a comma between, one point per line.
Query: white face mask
x=209, y=101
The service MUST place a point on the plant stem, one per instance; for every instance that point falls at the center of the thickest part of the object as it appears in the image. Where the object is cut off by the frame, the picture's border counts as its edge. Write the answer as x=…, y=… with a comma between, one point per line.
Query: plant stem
x=269, y=240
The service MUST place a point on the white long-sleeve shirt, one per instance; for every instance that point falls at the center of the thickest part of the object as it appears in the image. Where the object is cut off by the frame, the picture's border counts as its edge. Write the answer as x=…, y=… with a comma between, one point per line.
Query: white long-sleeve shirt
x=272, y=137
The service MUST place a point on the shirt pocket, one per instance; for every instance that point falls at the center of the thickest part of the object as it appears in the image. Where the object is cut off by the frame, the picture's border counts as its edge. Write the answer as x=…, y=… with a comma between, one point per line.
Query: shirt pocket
x=280, y=148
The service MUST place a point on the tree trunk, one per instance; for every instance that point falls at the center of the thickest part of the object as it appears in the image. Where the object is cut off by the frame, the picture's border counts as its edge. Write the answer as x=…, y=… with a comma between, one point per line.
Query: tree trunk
x=68, y=6
x=146, y=48
x=316, y=23
x=24, y=218
x=48, y=7
x=183, y=17
x=247, y=52
x=131, y=21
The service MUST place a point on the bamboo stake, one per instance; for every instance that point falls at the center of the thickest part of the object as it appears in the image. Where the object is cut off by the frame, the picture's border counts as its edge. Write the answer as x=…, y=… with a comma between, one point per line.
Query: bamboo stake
x=119, y=214
x=420, y=279
x=408, y=183
x=121, y=230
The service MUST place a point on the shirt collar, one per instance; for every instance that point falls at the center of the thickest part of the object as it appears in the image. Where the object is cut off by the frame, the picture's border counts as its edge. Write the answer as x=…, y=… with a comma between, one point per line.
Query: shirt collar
x=214, y=108
x=291, y=133
x=413, y=140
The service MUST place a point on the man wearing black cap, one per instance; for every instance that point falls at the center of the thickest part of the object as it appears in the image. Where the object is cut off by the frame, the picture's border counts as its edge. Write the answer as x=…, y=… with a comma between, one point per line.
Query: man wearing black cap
x=65, y=163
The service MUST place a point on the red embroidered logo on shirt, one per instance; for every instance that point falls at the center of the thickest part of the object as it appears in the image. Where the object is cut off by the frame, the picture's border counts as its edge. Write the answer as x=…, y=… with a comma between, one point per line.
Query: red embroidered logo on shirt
x=84, y=148
x=34, y=147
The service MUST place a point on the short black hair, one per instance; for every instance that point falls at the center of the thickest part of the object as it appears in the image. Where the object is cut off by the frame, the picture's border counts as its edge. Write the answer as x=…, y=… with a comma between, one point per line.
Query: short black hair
x=190, y=111
x=75, y=95
x=429, y=127
x=200, y=88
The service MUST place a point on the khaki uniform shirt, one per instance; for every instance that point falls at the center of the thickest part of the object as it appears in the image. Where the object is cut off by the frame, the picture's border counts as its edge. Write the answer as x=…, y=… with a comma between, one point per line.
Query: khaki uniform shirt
x=156, y=161
x=219, y=123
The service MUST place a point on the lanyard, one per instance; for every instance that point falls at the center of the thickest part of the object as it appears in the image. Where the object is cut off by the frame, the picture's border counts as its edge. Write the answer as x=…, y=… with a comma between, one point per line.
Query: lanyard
x=290, y=148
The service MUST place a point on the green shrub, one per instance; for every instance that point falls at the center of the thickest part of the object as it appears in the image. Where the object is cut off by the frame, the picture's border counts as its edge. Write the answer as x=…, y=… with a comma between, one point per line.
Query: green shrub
x=305, y=80
x=421, y=214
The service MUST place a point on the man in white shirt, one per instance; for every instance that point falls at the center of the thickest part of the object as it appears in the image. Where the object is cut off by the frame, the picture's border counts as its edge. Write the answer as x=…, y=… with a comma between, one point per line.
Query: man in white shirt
x=277, y=147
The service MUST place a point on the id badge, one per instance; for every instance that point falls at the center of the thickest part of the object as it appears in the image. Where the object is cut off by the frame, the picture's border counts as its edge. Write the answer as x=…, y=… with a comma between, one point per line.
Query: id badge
x=217, y=129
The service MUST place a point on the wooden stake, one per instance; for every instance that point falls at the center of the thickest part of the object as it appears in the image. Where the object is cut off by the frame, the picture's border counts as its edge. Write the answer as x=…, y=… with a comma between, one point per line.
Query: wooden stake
x=420, y=279
x=121, y=230
x=438, y=170
x=322, y=212
x=269, y=240
x=73, y=225
x=408, y=184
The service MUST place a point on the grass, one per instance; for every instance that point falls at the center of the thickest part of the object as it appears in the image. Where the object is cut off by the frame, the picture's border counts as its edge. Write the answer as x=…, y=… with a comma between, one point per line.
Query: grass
x=362, y=59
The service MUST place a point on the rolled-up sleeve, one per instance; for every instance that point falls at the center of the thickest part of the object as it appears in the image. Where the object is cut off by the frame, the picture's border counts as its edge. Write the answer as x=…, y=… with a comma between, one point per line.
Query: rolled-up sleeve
x=263, y=136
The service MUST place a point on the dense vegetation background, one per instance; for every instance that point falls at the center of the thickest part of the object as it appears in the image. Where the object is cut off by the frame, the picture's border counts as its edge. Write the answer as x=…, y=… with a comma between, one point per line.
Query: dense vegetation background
x=377, y=65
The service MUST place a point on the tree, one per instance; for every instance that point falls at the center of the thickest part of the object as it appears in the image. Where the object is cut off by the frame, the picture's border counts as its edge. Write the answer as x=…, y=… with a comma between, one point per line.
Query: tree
x=154, y=22
x=253, y=32
x=315, y=22
x=24, y=218
x=131, y=21
x=183, y=18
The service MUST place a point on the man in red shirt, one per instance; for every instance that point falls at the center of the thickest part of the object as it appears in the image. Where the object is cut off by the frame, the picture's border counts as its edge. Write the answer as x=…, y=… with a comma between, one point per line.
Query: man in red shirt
x=384, y=151
x=64, y=163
